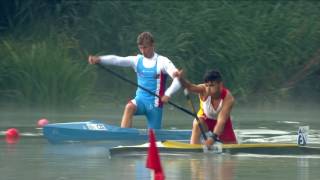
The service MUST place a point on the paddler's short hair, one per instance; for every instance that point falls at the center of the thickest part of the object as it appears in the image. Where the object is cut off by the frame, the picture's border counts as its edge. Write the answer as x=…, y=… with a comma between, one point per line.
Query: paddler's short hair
x=145, y=37
x=212, y=75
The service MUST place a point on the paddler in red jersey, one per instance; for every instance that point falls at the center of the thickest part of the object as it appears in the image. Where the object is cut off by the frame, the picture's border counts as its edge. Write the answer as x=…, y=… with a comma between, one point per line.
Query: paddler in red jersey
x=216, y=103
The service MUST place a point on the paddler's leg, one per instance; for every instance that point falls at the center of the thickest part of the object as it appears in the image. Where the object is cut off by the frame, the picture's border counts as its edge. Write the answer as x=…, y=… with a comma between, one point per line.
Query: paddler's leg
x=134, y=107
x=195, y=136
x=129, y=110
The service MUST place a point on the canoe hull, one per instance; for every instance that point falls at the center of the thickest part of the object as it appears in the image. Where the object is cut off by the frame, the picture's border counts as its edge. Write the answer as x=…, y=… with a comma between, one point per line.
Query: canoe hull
x=173, y=147
x=97, y=131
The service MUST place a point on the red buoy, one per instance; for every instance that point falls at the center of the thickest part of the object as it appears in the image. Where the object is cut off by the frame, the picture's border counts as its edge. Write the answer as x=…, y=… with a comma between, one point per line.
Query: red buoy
x=12, y=135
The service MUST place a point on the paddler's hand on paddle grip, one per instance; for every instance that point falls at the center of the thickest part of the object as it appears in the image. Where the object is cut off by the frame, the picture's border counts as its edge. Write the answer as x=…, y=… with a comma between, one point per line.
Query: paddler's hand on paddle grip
x=179, y=74
x=94, y=59
x=209, y=142
x=165, y=98
x=211, y=139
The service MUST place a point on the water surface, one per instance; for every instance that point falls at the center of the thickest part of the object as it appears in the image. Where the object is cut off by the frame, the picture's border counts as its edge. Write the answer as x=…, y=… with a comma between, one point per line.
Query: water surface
x=32, y=157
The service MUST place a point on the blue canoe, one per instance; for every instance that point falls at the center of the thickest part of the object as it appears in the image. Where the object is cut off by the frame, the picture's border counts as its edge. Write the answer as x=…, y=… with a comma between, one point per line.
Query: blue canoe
x=96, y=131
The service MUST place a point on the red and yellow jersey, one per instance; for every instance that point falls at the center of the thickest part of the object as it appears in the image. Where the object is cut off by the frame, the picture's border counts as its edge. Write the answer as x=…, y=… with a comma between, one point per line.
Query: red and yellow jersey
x=207, y=109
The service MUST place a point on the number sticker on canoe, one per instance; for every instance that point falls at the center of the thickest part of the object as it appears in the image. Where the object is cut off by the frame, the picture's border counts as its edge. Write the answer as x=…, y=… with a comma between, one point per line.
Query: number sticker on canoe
x=97, y=126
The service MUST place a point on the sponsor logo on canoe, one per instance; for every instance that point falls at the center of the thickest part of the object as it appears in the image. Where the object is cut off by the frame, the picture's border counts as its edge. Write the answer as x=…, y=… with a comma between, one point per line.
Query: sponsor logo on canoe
x=96, y=126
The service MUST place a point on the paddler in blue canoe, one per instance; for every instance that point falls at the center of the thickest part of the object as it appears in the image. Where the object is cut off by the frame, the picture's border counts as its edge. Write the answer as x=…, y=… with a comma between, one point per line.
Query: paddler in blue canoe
x=152, y=70
x=216, y=103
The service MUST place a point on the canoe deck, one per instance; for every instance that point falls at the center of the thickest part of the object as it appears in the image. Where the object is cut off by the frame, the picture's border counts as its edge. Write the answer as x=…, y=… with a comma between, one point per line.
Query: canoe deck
x=183, y=148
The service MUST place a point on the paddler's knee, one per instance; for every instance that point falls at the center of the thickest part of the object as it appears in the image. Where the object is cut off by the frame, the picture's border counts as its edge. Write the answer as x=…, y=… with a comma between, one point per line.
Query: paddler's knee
x=130, y=107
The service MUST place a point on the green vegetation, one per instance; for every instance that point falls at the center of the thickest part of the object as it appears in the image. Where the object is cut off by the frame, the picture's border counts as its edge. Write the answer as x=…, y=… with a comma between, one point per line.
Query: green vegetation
x=266, y=50
x=43, y=75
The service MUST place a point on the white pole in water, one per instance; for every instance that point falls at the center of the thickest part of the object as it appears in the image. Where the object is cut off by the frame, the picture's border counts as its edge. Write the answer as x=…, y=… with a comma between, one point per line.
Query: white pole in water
x=303, y=135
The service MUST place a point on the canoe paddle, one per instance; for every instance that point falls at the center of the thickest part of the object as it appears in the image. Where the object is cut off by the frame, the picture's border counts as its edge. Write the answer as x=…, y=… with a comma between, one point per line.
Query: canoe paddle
x=217, y=146
x=186, y=93
x=169, y=102
x=145, y=89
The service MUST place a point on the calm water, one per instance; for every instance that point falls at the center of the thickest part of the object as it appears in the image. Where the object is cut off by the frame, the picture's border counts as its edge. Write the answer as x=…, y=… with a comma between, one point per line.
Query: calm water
x=32, y=157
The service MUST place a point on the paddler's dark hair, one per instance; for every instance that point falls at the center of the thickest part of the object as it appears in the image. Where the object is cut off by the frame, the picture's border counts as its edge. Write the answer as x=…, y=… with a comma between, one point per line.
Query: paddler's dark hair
x=212, y=75
x=145, y=37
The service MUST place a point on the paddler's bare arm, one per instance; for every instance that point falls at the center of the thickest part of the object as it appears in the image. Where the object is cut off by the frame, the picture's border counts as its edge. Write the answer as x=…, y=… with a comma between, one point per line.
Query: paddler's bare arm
x=224, y=114
x=222, y=117
x=200, y=89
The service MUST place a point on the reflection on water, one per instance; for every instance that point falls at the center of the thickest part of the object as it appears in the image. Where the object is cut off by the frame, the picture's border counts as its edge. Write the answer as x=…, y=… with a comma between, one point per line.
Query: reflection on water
x=226, y=167
x=34, y=158
x=210, y=166
x=302, y=168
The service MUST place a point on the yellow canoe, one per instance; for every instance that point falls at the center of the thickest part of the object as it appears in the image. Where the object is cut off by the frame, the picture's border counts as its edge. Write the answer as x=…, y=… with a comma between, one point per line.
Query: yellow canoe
x=180, y=147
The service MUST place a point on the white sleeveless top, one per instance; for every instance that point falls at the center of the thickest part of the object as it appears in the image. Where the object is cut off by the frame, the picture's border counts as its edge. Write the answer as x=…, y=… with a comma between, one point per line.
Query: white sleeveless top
x=207, y=109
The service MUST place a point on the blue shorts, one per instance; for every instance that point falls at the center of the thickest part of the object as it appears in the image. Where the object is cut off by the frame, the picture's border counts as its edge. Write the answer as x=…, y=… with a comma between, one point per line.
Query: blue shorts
x=154, y=114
